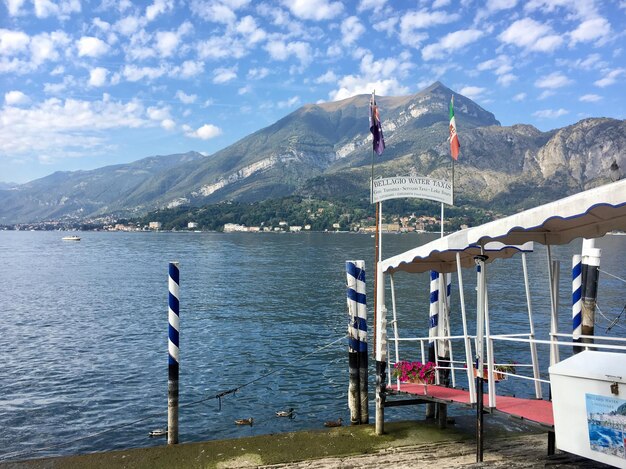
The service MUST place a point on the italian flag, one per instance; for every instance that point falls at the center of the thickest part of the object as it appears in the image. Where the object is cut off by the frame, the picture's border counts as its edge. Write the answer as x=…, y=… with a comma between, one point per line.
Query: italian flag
x=454, y=138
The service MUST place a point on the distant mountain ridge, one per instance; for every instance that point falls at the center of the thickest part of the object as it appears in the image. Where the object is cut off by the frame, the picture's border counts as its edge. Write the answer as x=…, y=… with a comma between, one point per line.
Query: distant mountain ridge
x=324, y=150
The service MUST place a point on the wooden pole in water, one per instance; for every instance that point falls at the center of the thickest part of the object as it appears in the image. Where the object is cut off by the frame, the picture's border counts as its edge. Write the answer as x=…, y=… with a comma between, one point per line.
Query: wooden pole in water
x=173, y=352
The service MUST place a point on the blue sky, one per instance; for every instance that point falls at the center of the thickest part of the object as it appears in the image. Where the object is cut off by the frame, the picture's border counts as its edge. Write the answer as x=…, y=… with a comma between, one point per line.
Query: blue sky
x=84, y=84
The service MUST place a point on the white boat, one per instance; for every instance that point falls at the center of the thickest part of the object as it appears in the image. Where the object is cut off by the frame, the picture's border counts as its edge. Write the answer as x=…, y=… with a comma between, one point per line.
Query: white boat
x=71, y=238
x=566, y=413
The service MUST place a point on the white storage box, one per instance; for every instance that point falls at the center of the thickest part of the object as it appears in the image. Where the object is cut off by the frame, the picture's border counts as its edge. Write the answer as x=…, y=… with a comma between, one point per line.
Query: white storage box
x=589, y=405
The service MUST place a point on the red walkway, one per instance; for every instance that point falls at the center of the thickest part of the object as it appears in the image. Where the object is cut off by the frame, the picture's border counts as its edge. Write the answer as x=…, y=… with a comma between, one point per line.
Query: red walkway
x=534, y=410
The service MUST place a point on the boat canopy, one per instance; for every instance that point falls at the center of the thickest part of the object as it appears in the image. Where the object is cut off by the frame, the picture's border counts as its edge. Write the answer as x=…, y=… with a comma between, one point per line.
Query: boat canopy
x=440, y=255
x=588, y=214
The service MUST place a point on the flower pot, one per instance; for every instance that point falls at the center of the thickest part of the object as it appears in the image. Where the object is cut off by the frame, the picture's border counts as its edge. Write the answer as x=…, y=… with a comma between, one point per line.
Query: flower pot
x=497, y=376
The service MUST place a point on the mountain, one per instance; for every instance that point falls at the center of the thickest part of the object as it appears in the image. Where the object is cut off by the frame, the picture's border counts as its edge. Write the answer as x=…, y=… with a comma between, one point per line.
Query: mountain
x=324, y=150
x=79, y=194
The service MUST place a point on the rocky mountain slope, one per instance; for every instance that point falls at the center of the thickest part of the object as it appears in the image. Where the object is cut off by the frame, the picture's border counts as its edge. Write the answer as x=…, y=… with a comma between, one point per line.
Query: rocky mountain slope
x=324, y=150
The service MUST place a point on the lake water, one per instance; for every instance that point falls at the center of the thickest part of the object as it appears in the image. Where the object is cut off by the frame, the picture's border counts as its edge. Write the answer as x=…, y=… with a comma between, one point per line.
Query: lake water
x=84, y=331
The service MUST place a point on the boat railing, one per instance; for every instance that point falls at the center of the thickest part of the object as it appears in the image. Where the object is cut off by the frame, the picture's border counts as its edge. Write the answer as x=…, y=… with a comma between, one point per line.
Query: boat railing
x=618, y=345
x=449, y=364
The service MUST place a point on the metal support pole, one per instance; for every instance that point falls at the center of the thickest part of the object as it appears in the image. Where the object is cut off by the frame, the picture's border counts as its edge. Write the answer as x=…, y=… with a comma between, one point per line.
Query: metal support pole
x=173, y=351
x=381, y=353
x=480, y=269
x=531, y=324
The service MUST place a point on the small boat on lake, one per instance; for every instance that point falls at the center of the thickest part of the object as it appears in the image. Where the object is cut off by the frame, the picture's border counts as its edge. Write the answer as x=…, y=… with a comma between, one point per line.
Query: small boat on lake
x=71, y=238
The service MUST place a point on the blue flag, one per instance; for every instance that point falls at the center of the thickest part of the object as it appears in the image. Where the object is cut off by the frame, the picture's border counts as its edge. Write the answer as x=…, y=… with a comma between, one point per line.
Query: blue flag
x=378, y=141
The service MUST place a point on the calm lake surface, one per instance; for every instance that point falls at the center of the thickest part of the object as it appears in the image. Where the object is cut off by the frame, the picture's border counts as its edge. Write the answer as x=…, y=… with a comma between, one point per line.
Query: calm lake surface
x=84, y=330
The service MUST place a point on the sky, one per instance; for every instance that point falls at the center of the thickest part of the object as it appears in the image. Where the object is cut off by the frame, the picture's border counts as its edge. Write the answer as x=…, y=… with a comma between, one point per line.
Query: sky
x=85, y=84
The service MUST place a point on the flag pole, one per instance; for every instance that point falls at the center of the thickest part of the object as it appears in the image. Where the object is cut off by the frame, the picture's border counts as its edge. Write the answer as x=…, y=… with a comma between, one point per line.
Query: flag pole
x=372, y=101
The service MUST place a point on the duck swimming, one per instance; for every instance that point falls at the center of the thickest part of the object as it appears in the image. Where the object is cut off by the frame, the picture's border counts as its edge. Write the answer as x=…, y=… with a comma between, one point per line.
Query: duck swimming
x=249, y=421
x=333, y=423
x=285, y=413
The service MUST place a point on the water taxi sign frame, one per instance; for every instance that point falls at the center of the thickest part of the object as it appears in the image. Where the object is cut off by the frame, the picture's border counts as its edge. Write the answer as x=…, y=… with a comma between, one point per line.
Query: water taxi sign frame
x=414, y=187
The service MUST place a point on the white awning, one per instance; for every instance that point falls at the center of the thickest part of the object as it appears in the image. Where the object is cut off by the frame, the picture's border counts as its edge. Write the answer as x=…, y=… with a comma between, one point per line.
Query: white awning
x=588, y=214
x=440, y=255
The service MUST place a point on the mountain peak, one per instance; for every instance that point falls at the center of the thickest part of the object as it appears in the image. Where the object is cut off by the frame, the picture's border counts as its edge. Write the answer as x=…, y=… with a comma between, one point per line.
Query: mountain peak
x=437, y=86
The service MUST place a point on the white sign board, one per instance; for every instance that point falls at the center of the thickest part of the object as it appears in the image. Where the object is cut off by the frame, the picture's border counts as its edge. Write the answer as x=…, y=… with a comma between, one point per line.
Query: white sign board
x=413, y=187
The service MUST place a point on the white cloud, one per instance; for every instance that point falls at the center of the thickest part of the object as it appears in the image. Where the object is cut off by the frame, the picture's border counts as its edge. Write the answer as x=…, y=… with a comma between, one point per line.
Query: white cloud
x=352, y=85
x=545, y=94
x=98, y=76
x=590, y=98
x=441, y=3
x=472, y=92
x=186, y=98
x=244, y=90
x=129, y=25
x=415, y=20
x=519, y=97
x=258, y=73
x=387, y=25
x=134, y=73
x=289, y=102
x=158, y=8
x=12, y=98
x=44, y=46
x=550, y=113
x=206, y=132
x=58, y=126
x=14, y=7
x=248, y=28
x=531, y=35
x=166, y=43
x=553, y=80
x=188, y=69
x=212, y=11
x=219, y=47
x=451, y=42
x=577, y=8
x=328, y=77
x=314, y=9
x=610, y=78
x=61, y=9
x=224, y=75
x=89, y=46
x=497, y=5
x=281, y=51
x=506, y=79
x=158, y=113
x=168, y=124
x=375, y=5
x=591, y=30
x=351, y=30
x=13, y=42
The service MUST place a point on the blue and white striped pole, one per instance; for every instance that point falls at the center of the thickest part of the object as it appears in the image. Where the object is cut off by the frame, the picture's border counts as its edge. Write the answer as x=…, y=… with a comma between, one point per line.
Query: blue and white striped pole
x=357, y=352
x=173, y=352
x=577, y=295
x=433, y=330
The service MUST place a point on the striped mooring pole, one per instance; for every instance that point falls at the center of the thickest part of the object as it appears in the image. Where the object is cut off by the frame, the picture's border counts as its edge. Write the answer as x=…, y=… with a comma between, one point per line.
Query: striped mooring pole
x=358, y=400
x=577, y=295
x=173, y=352
x=590, y=273
x=433, y=330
